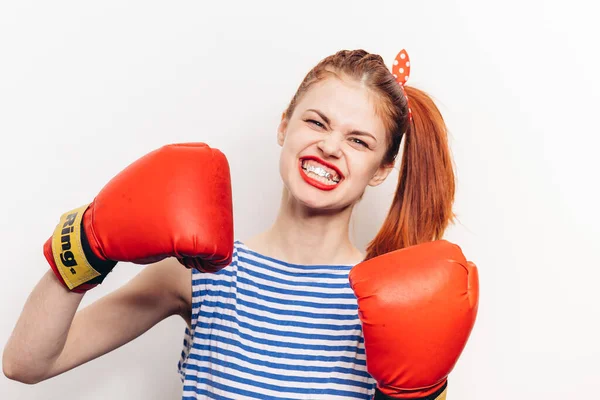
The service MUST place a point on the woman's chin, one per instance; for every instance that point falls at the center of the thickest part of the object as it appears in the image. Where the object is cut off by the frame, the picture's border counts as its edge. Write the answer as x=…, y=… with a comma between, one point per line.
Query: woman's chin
x=318, y=201
x=318, y=205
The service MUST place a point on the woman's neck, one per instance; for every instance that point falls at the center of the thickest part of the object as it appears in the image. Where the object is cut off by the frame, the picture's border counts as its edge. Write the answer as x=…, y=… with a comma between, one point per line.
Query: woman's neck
x=301, y=236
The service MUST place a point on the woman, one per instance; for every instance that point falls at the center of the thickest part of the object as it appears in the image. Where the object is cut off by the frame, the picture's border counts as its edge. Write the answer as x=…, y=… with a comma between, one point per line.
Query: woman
x=281, y=321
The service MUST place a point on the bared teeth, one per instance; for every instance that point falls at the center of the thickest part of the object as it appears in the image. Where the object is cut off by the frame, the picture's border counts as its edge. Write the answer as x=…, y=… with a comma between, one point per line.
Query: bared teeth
x=320, y=170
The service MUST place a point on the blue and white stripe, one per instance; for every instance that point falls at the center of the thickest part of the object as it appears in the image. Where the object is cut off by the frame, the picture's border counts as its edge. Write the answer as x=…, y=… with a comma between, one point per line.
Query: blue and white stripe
x=265, y=329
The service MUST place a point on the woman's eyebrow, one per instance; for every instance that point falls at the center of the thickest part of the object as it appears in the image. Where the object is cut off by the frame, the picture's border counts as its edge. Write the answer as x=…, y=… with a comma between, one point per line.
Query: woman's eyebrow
x=354, y=132
x=320, y=115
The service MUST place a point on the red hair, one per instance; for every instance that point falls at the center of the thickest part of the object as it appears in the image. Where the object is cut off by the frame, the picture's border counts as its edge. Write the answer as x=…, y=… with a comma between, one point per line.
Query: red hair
x=422, y=206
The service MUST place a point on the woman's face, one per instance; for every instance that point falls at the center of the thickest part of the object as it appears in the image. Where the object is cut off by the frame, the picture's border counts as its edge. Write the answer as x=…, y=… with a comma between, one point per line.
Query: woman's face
x=332, y=145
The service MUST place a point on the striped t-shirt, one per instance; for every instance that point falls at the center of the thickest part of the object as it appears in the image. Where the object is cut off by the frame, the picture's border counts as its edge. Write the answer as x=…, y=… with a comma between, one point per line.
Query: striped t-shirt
x=266, y=329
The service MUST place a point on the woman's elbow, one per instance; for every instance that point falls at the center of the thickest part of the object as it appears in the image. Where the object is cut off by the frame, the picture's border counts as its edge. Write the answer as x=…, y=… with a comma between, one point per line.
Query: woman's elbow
x=15, y=371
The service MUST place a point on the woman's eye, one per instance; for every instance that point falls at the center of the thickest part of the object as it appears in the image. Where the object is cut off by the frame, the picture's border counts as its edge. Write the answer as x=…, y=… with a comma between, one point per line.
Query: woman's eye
x=360, y=142
x=312, y=121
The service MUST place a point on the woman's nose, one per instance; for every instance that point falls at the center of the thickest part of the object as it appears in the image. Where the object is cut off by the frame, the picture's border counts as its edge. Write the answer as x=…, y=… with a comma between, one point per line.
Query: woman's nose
x=331, y=145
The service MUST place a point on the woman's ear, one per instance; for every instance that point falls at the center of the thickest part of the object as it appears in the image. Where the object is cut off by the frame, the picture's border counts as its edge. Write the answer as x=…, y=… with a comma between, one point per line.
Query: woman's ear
x=281, y=130
x=380, y=175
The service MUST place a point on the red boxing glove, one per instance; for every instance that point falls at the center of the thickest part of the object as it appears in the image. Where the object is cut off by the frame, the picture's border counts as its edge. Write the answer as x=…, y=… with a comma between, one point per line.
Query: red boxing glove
x=175, y=201
x=418, y=307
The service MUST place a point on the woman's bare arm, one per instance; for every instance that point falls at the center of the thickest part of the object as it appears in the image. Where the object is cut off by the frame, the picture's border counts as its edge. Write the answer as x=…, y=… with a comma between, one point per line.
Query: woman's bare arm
x=52, y=337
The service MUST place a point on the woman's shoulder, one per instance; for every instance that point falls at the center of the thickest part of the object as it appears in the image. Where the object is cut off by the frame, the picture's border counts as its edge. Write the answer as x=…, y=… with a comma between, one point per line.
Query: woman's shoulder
x=257, y=243
x=182, y=280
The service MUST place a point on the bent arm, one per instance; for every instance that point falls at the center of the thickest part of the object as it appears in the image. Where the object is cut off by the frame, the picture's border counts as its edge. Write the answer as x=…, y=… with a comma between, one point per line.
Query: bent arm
x=52, y=337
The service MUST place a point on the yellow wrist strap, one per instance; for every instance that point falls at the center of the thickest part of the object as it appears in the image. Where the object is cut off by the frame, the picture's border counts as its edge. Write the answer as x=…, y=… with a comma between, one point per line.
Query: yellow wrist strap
x=67, y=250
x=442, y=396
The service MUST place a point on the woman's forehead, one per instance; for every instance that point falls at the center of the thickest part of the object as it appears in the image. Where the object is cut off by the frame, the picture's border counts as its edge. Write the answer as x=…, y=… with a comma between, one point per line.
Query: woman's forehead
x=344, y=101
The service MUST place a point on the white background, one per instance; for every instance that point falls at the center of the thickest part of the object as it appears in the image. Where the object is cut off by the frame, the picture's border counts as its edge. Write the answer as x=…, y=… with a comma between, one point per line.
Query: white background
x=86, y=88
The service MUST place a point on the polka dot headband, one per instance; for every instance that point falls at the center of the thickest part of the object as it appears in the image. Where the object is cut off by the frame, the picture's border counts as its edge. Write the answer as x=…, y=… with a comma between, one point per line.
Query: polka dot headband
x=401, y=71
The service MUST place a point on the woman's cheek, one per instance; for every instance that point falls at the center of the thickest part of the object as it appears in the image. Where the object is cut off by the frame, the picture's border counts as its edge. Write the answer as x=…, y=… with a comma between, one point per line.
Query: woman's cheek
x=283, y=165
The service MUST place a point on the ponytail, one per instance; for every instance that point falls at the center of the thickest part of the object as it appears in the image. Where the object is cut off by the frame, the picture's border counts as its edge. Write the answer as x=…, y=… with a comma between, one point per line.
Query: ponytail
x=422, y=205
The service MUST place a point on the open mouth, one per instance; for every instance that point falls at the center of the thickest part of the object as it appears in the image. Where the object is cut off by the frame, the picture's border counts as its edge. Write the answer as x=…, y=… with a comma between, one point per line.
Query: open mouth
x=319, y=173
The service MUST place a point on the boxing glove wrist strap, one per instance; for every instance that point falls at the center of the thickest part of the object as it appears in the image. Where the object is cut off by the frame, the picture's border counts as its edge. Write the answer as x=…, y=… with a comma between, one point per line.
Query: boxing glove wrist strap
x=74, y=259
x=439, y=394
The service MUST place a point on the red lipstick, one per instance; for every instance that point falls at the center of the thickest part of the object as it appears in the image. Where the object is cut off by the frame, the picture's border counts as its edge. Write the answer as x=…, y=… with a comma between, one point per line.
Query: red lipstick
x=325, y=163
x=314, y=182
